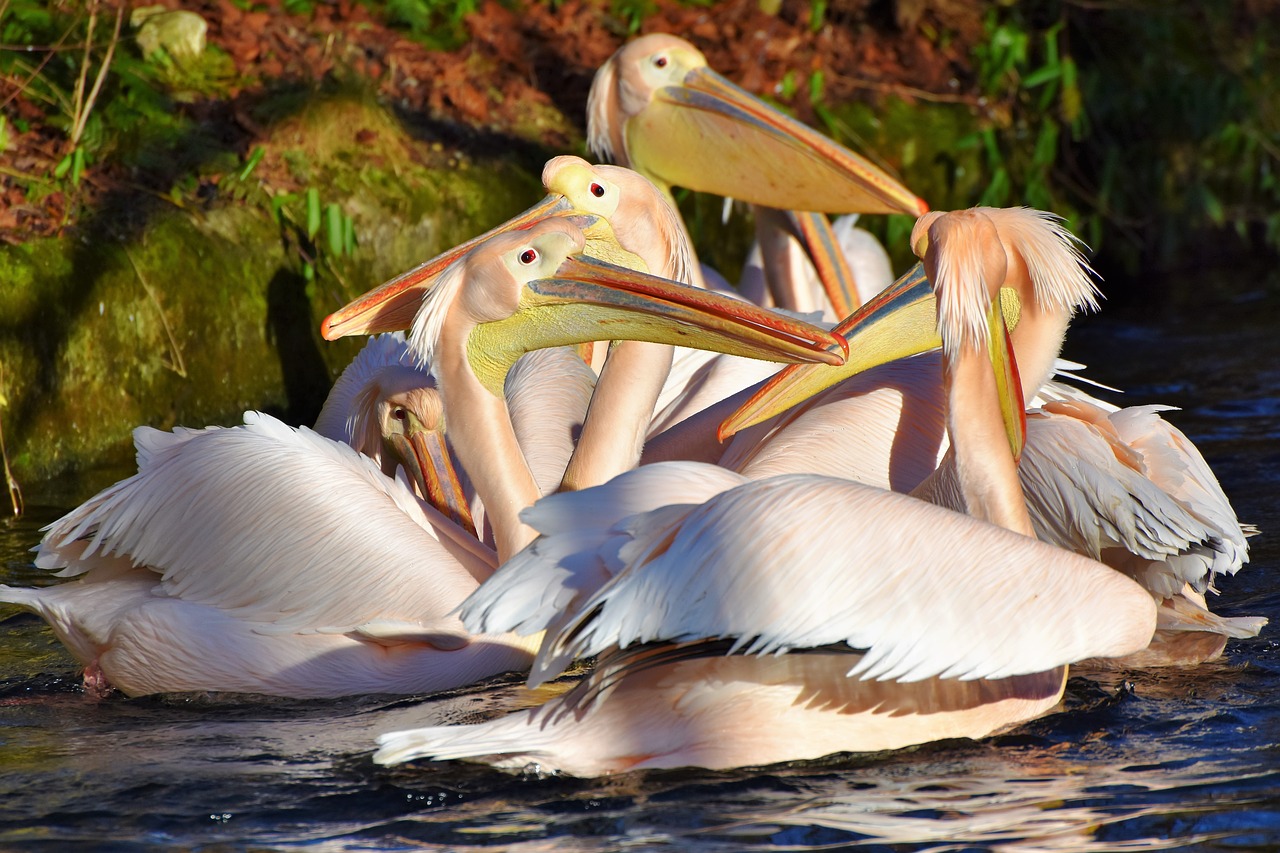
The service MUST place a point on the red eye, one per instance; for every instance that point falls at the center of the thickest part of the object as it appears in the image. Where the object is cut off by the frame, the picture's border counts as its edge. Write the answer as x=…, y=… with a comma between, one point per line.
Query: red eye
x=597, y=191
x=660, y=62
x=528, y=256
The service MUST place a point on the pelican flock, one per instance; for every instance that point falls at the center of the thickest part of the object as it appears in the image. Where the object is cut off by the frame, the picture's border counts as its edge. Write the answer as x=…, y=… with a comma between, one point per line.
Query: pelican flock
x=567, y=441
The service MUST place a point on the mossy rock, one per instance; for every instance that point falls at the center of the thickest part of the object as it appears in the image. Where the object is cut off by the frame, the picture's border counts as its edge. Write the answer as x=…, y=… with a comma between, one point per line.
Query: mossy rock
x=204, y=313
x=201, y=315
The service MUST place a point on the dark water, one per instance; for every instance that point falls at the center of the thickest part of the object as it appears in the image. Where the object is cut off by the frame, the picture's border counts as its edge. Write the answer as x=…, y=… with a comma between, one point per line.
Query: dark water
x=1139, y=761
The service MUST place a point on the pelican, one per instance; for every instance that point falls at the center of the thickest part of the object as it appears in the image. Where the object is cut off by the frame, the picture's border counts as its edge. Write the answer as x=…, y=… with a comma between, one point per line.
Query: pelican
x=720, y=635
x=273, y=560
x=522, y=290
x=647, y=226
x=869, y=266
x=636, y=223
x=182, y=516
x=655, y=106
x=752, y=622
x=1122, y=486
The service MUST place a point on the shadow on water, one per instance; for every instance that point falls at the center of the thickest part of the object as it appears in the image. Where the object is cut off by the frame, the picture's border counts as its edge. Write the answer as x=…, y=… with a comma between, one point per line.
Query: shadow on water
x=1138, y=760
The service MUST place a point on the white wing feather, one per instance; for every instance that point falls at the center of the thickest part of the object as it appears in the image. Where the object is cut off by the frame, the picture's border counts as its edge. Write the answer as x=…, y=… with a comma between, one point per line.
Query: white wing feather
x=540, y=587
x=1176, y=465
x=1172, y=512
x=265, y=522
x=803, y=561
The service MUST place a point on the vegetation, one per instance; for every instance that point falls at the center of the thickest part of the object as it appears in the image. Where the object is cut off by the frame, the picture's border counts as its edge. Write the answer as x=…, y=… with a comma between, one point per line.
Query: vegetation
x=330, y=145
x=1154, y=124
x=1148, y=124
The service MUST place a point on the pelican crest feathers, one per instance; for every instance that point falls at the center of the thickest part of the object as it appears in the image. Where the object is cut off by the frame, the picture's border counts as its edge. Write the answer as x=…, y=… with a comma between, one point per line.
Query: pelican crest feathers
x=1059, y=272
x=429, y=321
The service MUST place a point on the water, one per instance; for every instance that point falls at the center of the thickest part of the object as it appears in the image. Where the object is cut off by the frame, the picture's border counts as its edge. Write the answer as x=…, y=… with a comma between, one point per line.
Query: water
x=1137, y=761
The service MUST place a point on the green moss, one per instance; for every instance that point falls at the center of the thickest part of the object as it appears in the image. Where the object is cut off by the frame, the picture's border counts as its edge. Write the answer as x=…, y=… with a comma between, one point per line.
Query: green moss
x=198, y=316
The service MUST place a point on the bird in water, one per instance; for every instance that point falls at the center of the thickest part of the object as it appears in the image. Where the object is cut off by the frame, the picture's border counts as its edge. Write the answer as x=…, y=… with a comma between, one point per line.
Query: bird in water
x=269, y=559
x=752, y=622
x=1122, y=486
x=657, y=107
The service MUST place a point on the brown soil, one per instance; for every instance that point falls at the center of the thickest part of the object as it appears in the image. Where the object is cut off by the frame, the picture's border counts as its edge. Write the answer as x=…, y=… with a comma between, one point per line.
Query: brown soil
x=536, y=54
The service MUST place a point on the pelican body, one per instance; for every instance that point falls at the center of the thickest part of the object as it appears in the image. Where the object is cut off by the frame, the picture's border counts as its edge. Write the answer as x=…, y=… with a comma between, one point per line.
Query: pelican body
x=1127, y=489
x=832, y=615
x=913, y=597
x=268, y=559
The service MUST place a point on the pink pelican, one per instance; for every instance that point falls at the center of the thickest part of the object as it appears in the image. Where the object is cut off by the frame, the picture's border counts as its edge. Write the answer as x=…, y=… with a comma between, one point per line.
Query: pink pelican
x=655, y=106
x=1119, y=485
x=241, y=559
x=752, y=622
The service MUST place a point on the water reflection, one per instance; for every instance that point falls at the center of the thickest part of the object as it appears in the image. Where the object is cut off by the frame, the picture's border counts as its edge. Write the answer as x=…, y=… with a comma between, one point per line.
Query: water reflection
x=1137, y=761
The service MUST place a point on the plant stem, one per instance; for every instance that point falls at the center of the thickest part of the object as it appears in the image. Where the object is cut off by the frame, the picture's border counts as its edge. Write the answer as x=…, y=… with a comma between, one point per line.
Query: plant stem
x=176, y=364
x=77, y=110
x=83, y=110
x=15, y=491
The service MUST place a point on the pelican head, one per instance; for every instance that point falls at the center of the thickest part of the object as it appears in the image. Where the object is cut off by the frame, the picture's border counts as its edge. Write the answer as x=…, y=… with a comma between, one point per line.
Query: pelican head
x=639, y=214
x=966, y=262
x=411, y=425
x=391, y=306
x=1046, y=276
x=524, y=290
x=954, y=298
x=591, y=196
x=965, y=259
x=656, y=107
x=390, y=410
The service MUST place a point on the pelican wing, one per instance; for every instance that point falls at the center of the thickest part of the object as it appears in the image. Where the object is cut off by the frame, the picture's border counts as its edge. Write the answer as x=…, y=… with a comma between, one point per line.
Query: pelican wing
x=803, y=561
x=1176, y=465
x=269, y=523
x=542, y=586
x=1090, y=490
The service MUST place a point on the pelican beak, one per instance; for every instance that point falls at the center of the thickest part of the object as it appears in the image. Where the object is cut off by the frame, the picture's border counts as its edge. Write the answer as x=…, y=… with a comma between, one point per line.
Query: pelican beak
x=1013, y=409
x=813, y=230
x=391, y=306
x=427, y=459
x=711, y=136
x=901, y=321
x=588, y=300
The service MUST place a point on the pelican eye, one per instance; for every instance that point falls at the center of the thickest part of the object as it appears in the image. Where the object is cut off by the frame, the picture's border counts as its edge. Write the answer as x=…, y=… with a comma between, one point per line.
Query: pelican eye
x=660, y=61
x=528, y=256
x=399, y=413
x=597, y=190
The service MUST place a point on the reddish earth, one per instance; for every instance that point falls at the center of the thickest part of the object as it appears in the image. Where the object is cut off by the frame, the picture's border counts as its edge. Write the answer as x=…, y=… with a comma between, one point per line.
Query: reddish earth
x=544, y=53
